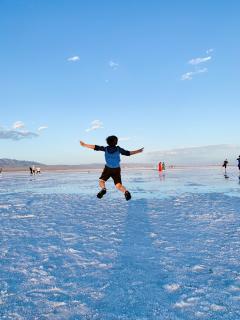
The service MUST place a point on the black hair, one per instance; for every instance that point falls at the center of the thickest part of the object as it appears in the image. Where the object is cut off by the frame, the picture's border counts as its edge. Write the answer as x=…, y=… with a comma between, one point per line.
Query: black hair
x=112, y=141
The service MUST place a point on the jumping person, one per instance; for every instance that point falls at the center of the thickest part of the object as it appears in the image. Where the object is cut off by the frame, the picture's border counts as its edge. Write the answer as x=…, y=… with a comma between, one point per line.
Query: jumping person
x=112, y=168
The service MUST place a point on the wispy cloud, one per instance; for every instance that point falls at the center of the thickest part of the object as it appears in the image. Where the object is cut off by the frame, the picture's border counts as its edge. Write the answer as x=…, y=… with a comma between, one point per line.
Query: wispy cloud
x=95, y=124
x=18, y=125
x=196, y=61
x=113, y=65
x=14, y=134
x=18, y=132
x=42, y=128
x=73, y=59
x=209, y=51
x=196, y=68
x=189, y=75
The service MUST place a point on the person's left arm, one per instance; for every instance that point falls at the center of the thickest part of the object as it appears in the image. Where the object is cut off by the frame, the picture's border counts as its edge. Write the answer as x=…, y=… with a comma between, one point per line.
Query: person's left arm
x=136, y=151
x=129, y=153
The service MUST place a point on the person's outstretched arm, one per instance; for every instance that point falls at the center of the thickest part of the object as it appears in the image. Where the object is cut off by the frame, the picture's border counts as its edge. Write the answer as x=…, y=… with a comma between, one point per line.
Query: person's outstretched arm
x=136, y=151
x=90, y=146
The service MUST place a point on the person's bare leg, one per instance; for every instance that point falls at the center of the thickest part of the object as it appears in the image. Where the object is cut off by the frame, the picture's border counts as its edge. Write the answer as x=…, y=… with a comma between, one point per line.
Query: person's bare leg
x=120, y=187
x=103, y=190
x=102, y=184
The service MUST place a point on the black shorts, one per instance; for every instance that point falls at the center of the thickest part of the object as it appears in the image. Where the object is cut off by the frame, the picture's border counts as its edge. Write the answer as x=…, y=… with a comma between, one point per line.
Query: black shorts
x=114, y=173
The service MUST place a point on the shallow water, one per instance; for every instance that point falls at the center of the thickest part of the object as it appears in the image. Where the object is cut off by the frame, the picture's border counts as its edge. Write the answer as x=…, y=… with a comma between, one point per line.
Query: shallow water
x=172, y=252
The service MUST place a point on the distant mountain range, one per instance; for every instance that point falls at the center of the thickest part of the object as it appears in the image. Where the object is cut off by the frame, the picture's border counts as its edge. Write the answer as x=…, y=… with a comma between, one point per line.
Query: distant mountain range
x=18, y=163
x=204, y=155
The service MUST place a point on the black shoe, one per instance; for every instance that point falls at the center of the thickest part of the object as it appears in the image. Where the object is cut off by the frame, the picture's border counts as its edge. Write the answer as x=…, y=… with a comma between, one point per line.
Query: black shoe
x=101, y=193
x=127, y=195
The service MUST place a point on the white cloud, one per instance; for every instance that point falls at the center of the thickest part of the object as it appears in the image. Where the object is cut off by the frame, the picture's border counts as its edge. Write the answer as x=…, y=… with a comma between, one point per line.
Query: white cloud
x=42, y=128
x=18, y=125
x=17, y=132
x=199, y=60
x=113, y=65
x=189, y=75
x=209, y=51
x=14, y=134
x=95, y=124
x=195, y=62
x=73, y=59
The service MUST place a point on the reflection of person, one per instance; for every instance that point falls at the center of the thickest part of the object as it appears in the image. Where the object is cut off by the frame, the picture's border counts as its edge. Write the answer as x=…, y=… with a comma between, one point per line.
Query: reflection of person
x=225, y=163
x=112, y=168
x=238, y=159
x=162, y=176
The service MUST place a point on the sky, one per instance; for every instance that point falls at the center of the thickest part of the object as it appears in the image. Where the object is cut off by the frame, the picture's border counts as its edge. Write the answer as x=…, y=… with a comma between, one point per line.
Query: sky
x=158, y=74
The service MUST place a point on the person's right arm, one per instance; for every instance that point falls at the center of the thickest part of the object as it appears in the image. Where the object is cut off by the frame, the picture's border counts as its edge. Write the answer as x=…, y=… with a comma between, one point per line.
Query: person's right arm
x=89, y=146
x=92, y=146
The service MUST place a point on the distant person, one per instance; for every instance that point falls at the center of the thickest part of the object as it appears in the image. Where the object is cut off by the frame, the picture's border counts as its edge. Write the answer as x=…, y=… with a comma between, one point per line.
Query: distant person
x=1, y=170
x=163, y=166
x=238, y=159
x=31, y=170
x=160, y=166
x=225, y=163
x=112, y=168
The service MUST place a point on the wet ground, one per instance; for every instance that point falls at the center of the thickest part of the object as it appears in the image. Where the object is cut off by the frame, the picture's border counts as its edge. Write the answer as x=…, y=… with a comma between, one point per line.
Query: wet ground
x=172, y=252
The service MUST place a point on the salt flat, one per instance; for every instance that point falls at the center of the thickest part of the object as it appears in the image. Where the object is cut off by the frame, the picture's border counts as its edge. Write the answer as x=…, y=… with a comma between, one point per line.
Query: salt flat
x=172, y=252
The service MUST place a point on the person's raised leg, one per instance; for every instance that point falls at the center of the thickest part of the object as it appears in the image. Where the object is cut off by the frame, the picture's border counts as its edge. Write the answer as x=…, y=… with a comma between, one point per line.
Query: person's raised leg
x=121, y=188
x=102, y=184
x=103, y=190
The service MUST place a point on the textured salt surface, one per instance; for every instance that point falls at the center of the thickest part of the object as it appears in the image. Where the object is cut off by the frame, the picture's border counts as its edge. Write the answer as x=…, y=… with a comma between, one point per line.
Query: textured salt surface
x=172, y=252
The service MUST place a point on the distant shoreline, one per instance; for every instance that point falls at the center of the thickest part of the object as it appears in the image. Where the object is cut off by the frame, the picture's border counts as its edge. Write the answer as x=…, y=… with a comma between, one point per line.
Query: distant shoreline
x=97, y=167
x=68, y=168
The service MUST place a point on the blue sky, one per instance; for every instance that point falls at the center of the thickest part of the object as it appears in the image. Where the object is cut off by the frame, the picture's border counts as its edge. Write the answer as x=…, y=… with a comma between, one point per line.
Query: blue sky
x=159, y=74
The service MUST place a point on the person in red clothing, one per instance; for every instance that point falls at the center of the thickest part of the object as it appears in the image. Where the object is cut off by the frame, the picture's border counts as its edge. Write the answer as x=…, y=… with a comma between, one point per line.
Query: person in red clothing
x=160, y=166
